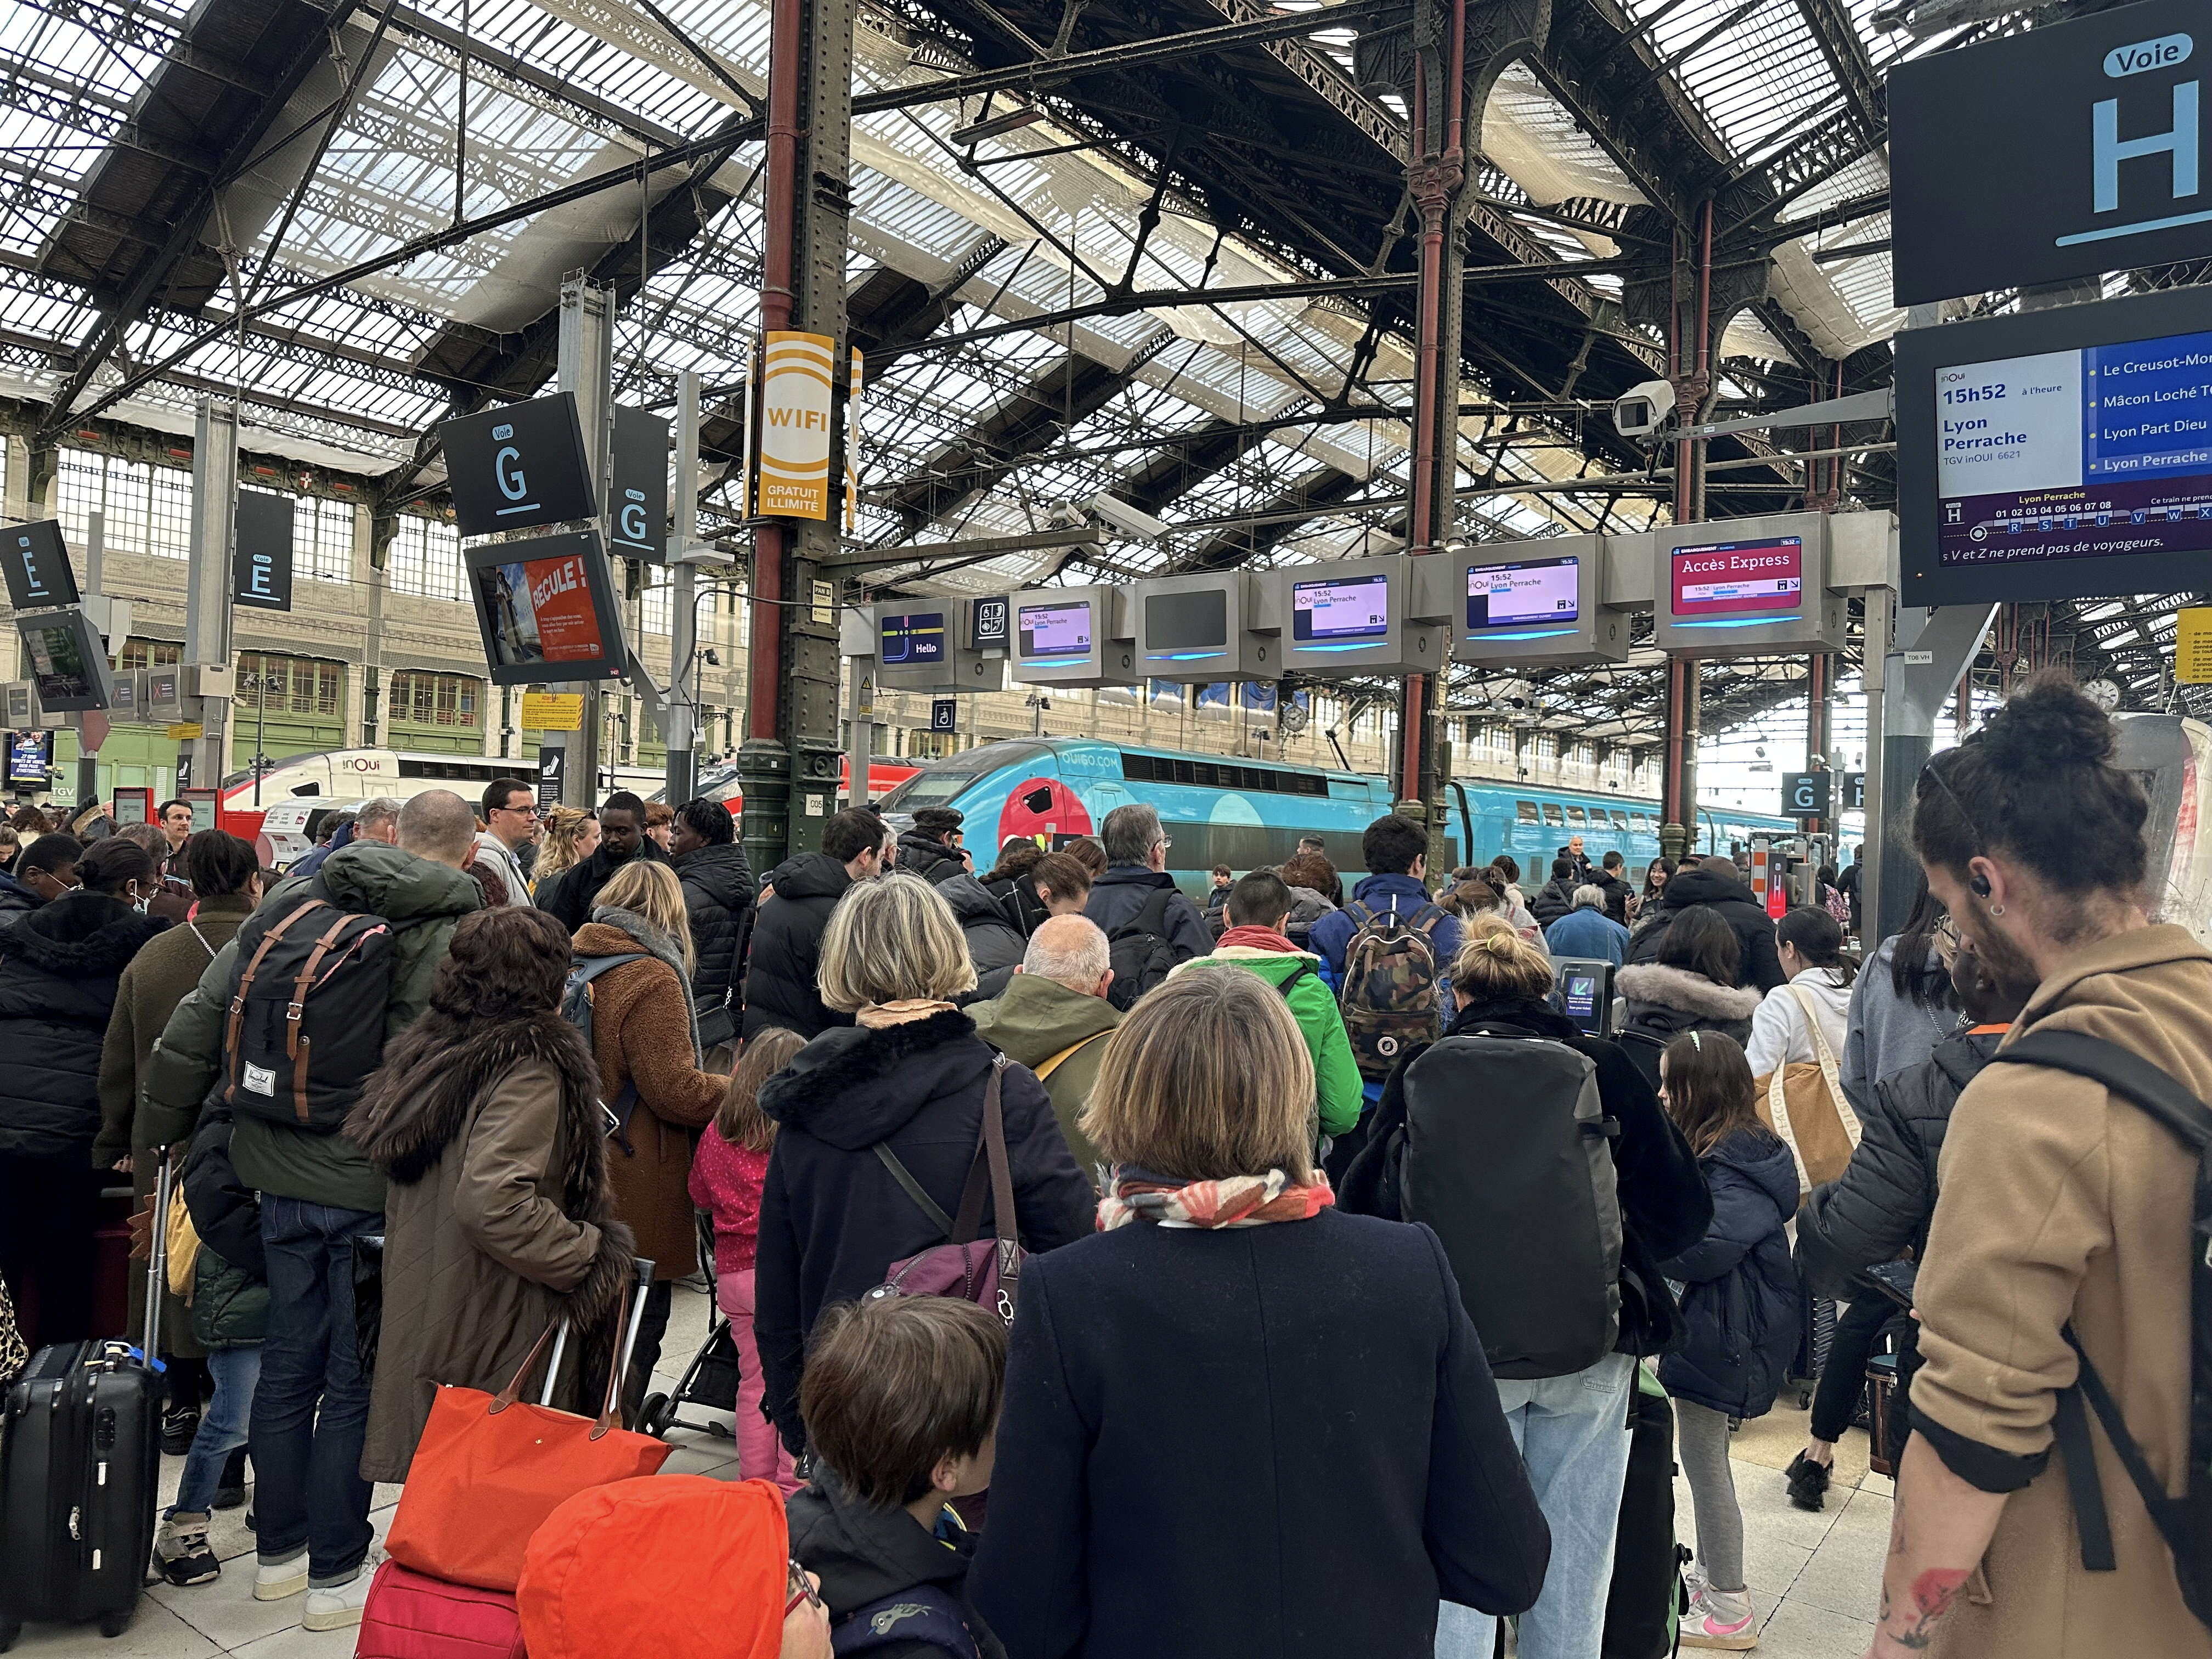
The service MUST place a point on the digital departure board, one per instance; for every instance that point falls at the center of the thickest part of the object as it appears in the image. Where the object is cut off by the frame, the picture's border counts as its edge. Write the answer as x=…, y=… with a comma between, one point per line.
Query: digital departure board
x=1530, y=593
x=2077, y=454
x=1349, y=610
x=1194, y=621
x=2056, y=454
x=1055, y=629
x=1721, y=581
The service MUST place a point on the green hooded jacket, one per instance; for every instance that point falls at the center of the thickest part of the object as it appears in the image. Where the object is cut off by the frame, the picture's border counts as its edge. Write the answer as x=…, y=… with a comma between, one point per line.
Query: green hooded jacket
x=1337, y=1089
x=423, y=900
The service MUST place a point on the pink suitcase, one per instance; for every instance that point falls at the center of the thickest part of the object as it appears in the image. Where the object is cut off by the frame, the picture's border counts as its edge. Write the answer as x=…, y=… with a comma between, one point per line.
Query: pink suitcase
x=411, y=1615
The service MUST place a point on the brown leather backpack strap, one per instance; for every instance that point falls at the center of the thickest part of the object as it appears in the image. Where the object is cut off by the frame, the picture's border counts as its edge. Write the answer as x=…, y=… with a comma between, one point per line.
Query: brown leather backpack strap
x=296, y=1007
x=994, y=1145
x=237, y=1019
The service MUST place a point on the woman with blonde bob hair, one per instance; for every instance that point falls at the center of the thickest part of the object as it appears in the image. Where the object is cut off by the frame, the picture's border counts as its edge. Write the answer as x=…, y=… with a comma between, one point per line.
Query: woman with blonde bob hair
x=645, y=1037
x=1226, y=1318
x=879, y=1125
x=1565, y=1412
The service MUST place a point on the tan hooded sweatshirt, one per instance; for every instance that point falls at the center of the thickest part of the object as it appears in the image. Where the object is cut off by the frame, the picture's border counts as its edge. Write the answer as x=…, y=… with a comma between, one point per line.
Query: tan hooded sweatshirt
x=2059, y=1201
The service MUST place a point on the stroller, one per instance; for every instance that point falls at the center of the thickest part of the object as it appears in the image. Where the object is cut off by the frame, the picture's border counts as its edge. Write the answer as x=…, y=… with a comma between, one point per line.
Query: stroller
x=710, y=1381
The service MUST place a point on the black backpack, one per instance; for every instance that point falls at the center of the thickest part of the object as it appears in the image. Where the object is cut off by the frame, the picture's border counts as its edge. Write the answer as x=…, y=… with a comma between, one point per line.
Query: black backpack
x=1139, y=952
x=1508, y=1155
x=305, y=1023
x=2185, y=1522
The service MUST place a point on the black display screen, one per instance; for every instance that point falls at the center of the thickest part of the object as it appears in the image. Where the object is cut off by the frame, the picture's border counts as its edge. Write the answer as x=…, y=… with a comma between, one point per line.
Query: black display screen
x=1187, y=623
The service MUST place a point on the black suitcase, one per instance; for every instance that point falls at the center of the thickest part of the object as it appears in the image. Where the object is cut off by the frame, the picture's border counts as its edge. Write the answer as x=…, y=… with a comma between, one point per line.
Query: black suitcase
x=80, y=1471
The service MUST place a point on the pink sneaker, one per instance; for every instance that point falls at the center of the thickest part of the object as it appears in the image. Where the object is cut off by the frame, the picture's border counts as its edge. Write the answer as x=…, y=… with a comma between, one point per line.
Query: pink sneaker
x=1718, y=1619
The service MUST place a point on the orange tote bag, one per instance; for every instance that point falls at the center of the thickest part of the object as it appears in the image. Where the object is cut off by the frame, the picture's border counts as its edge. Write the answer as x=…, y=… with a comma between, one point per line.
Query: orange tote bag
x=490, y=1468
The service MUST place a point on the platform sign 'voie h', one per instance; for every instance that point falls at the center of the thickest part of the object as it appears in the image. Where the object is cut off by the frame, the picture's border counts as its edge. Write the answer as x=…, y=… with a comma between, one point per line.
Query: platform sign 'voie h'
x=2061, y=152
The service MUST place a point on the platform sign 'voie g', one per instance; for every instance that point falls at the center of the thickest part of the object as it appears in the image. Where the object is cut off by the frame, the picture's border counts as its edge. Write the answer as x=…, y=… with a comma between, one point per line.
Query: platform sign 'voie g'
x=518, y=466
x=2062, y=151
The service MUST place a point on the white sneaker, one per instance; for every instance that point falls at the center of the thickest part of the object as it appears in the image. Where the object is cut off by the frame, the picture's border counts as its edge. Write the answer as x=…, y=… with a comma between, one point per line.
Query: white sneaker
x=1718, y=1619
x=275, y=1580
x=335, y=1606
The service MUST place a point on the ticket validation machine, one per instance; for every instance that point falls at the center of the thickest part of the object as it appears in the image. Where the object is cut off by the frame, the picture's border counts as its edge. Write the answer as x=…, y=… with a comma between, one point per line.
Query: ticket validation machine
x=1198, y=629
x=1541, y=603
x=1738, y=588
x=1080, y=636
x=1352, y=617
x=1585, y=992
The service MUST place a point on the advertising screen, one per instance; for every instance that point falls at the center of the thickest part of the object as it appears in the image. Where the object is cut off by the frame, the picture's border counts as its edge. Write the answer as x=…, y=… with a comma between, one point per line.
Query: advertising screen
x=1731, y=579
x=30, y=757
x=1531, y=593
x=2101, y=451
x=910, y=640
x=1054, y=630
x=1195, y=622
x=54, y=653
x=1350, y=611
x=546, y=609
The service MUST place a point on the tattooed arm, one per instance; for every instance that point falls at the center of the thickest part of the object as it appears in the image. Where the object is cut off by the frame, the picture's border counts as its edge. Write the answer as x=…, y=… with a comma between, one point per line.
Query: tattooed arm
x=1937, y=1535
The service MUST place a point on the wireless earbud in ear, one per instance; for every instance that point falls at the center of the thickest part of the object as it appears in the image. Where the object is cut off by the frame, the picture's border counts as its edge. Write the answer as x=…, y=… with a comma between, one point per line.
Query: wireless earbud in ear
x=1978, y=886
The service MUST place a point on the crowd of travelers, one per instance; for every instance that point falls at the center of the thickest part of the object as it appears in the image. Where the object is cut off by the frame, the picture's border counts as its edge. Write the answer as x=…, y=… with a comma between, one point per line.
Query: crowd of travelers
x=1110, y=1271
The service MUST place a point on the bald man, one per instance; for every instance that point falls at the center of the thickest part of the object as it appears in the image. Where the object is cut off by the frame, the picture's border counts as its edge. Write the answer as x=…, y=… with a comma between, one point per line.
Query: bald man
x=1054, y=1017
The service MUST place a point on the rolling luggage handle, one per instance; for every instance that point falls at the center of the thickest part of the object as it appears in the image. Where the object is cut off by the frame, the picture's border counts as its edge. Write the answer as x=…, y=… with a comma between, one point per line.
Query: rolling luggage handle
x=642, y=1272
x=157, y=1264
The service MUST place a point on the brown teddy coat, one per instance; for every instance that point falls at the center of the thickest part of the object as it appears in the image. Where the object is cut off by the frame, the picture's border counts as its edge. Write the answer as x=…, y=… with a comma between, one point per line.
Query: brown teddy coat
x=642, y=1033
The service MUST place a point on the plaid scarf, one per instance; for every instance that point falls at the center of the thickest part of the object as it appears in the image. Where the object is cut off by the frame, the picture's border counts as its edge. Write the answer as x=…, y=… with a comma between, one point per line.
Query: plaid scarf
x=1239, y=1201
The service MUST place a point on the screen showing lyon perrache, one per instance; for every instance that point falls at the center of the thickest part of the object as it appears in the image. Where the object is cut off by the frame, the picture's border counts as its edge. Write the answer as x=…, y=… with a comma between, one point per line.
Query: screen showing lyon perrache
x=1528, y=593
x=1732, y=579
x=1352, y=611
x=1187, y=624
x=2084, y=453
x=541, y=610
x=1054, y=630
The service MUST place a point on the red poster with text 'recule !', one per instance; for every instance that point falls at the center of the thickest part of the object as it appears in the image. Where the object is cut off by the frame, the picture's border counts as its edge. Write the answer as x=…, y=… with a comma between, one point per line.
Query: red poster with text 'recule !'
x=561, y=599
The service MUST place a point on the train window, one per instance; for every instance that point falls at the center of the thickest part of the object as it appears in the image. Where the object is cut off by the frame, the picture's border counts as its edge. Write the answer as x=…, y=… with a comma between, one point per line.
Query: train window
x=1211, y=775
x=1524, y=811
x=1578, y=818
x=1553, y=817
x=1619, y=819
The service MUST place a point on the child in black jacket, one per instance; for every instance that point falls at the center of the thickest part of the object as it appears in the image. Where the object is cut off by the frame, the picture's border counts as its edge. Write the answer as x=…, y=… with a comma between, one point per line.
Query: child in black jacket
x=901, y=1399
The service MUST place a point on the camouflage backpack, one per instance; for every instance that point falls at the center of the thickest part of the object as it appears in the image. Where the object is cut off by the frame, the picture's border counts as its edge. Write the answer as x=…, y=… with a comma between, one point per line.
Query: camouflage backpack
x=1389, y=996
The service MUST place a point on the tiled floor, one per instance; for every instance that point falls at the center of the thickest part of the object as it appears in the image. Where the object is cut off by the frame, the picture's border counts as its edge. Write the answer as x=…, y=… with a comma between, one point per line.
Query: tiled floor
x=1813, y=1578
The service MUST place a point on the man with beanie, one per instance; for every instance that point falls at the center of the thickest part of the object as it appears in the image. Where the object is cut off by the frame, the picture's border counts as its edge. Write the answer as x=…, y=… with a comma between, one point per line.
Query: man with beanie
x=932, y=849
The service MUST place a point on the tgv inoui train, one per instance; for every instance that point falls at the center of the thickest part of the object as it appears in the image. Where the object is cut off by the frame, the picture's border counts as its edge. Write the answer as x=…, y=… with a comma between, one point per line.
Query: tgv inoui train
x=1245, y=814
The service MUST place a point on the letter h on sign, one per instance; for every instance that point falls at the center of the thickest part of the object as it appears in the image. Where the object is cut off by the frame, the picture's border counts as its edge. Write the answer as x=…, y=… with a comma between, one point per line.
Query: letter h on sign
x=2179, y=141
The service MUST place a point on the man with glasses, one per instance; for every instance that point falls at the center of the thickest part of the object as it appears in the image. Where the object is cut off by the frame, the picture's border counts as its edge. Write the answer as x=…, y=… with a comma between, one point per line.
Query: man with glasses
x=1151, y=924
x=510, y=815
x=46, y=870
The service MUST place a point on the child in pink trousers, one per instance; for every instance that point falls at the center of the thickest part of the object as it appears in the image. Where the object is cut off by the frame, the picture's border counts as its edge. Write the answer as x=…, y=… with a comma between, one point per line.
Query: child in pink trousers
x=726, y=1175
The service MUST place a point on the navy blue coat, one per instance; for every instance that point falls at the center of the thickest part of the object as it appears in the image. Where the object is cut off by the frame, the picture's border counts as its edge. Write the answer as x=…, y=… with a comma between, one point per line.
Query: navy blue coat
x=1739, y=1310
x=1279, y=1440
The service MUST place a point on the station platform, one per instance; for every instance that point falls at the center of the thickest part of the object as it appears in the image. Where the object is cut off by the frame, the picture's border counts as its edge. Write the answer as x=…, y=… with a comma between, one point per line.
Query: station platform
x=1813, y=1578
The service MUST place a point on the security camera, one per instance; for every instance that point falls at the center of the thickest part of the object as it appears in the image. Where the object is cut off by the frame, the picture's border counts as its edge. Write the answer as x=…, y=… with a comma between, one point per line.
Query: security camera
x=1125, y=518
x=1641, y=411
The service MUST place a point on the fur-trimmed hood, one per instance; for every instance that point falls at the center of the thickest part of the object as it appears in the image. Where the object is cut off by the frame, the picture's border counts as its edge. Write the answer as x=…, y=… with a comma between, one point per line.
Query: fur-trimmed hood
x=419, y=1100
x=852, y=1086
x=1686, y=992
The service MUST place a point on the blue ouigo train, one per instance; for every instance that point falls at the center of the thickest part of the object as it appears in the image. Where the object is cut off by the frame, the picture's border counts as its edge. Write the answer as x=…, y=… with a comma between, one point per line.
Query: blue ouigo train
x=1247, y=814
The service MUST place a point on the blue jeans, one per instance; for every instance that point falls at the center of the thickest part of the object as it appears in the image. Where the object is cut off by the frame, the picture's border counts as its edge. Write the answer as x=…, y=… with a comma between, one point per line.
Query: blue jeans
x=311, y=1409
x=223, y=1427
x=1573, y=1435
